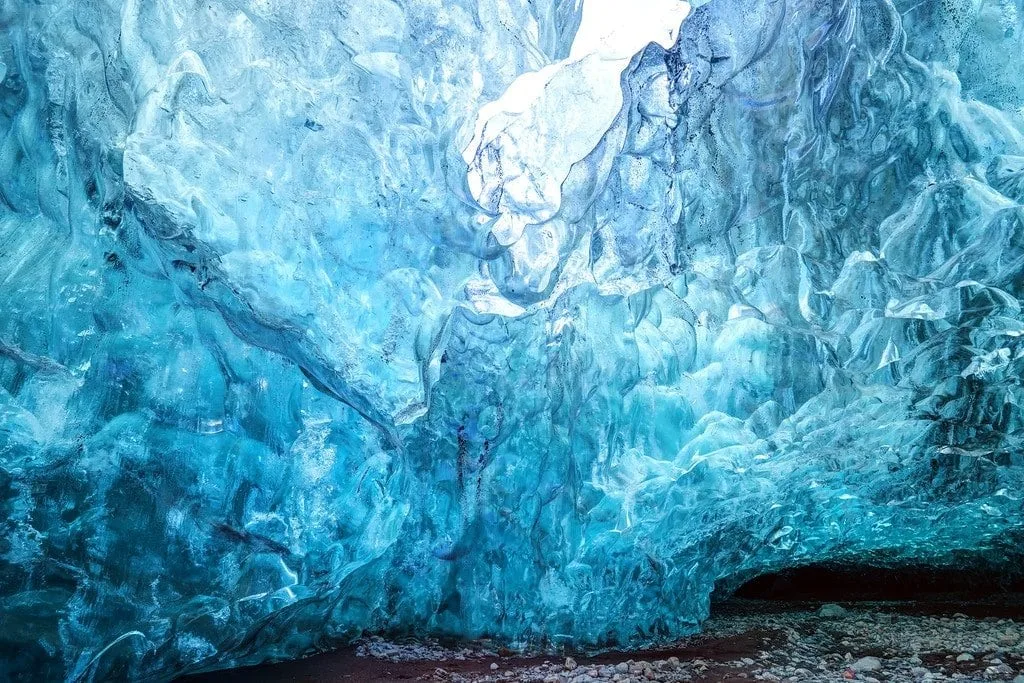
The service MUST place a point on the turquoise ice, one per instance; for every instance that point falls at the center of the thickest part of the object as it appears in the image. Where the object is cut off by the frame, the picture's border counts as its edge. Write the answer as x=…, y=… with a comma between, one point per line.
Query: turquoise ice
x=480, y=318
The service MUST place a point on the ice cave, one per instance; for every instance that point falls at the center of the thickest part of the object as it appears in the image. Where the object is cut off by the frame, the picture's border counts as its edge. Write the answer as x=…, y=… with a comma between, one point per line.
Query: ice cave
x=533, y=322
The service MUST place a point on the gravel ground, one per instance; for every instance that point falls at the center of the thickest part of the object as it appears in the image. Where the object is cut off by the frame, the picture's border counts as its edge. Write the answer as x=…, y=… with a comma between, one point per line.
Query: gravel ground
x=865, y=642
x=746, y=641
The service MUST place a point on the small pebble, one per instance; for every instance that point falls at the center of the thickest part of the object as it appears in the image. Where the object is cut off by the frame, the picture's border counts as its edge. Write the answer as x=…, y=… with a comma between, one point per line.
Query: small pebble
x=832, y=611
x=867, y=664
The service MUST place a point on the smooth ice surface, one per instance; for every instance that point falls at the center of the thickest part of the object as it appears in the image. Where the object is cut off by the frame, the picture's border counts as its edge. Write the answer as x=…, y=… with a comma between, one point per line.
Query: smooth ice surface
x=475, y=317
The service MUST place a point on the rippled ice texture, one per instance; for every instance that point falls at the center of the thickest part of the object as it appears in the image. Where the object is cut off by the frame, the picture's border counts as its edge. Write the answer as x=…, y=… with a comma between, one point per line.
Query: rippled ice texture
x=308, y=326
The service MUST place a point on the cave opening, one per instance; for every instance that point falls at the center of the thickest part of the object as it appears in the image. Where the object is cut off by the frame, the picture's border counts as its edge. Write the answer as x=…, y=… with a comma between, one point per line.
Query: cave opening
x=993, y=586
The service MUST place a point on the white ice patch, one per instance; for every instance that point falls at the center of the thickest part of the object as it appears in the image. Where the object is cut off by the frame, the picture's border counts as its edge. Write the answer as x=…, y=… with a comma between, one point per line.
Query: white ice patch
x=548, y=120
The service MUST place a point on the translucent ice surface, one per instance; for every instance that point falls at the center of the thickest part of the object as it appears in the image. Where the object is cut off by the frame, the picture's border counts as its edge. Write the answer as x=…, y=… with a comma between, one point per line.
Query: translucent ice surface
x=527, y=319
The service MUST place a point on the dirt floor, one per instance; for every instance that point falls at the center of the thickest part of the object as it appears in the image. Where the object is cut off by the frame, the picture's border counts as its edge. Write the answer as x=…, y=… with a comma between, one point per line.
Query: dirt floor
x=941, y=639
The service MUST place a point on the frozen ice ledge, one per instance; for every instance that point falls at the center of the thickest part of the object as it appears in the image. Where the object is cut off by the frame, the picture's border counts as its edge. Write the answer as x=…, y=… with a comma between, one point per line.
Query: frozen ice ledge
x=529, y=320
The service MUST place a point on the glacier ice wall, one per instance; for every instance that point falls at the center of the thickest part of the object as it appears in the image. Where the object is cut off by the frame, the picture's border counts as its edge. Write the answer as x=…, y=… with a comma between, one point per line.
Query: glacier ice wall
x=445, y=317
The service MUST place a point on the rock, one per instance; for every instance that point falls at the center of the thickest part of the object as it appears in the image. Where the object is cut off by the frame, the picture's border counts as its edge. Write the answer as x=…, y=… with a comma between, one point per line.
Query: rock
x=832, y=611
x=915, y=660
x=622, y=667
x=919, y=672
x=570, y=663
x=867, y=664
x=1018, y=679
x=494, y=667
x=965, y=657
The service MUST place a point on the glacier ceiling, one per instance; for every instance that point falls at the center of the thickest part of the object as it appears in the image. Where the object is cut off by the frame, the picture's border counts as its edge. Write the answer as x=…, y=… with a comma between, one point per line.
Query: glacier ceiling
x=530, y=319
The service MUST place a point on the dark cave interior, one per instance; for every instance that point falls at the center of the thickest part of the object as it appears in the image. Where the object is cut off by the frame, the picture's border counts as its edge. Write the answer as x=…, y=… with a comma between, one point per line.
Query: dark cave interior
x=972, y=581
